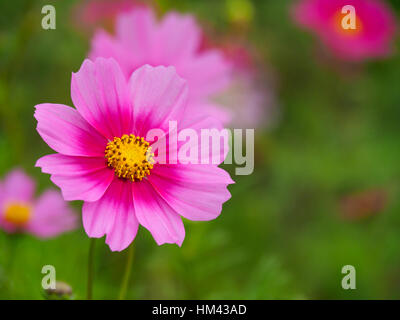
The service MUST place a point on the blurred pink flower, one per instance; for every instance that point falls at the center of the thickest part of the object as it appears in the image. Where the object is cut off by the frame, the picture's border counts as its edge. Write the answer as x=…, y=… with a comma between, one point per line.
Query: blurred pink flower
x=102, y=158
x=174, y=41
x=44, y=217
x=248, y=99
x=375, y=26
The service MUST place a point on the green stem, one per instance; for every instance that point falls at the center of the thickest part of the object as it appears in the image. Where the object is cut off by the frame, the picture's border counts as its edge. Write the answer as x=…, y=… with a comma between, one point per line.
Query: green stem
x=90, y=269
x=127, y=273
x=13, y=240
x=13, y=244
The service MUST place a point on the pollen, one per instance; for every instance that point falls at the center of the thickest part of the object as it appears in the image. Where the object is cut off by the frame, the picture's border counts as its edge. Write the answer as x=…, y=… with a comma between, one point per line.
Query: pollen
x=17, y=213
x=130, y=156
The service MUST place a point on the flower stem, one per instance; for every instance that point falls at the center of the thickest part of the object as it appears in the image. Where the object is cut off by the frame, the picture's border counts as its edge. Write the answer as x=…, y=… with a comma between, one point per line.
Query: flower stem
x=90, y=268
x=127, y=273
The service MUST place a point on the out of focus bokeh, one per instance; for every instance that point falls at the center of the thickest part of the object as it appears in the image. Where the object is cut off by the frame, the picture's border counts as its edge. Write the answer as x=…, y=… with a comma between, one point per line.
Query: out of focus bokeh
x=325, y=191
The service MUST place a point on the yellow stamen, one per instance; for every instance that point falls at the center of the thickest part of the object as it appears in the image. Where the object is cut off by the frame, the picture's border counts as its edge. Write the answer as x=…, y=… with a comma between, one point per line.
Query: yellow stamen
x=17, y=213
x=130, y=156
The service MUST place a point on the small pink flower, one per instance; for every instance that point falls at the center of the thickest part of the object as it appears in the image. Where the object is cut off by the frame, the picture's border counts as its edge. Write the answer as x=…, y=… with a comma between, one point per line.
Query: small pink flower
x=44, y=217
x=375, y=26
x=174, y=41
x=102, y=151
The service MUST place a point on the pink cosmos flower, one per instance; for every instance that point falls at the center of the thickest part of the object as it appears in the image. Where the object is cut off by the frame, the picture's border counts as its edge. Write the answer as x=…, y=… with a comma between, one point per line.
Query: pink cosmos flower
x=104, y=159
x=44, y=217
x=375, y=26
x=174, y=41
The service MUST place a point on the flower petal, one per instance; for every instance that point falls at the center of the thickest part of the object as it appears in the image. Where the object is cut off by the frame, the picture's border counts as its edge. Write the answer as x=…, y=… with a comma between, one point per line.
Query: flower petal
x=179, y=37
x=136, y=31
x=1, y=196
x=207, y=73
x=156, y=215
x=208, y=139
x=158, y=95
x=79, y=178
x=18, y=186
x=66, y=132
x=51, y=216
x=196, y=192
x=113, y=215
x=216, y=111
x=99, y=92
x=59, y=164
x=104, y=45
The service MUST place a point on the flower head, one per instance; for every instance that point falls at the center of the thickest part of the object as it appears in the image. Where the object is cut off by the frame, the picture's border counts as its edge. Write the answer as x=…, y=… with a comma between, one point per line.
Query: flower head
x=44, y=217
x=104, y=155
x=174, y=41
x=374, y=26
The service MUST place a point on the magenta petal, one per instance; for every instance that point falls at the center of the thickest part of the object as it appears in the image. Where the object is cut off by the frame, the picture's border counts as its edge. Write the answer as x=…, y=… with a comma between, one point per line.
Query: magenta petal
x=66, y=132
x=89, y=187
x=79, y=178
x=59, y=164
x=18, y=186
x=207, y=154
x=51, y=216
x=158, y=95
x=196, y=192
x=113, y=215
x=99, y=92
x=156, y=215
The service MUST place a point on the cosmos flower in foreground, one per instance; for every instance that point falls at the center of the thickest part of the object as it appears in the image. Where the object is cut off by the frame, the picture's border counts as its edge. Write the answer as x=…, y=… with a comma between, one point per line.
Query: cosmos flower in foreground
x=104, y=159
x=373, y=33
x=44, y=217
x=174, y=41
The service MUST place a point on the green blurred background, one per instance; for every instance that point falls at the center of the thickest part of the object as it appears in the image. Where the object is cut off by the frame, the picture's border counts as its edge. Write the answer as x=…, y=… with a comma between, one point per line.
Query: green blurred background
x=324, y=192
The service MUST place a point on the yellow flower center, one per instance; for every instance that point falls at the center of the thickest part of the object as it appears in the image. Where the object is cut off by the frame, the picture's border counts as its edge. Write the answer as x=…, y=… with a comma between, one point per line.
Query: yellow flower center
x=130, y=156
x=17, y=213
